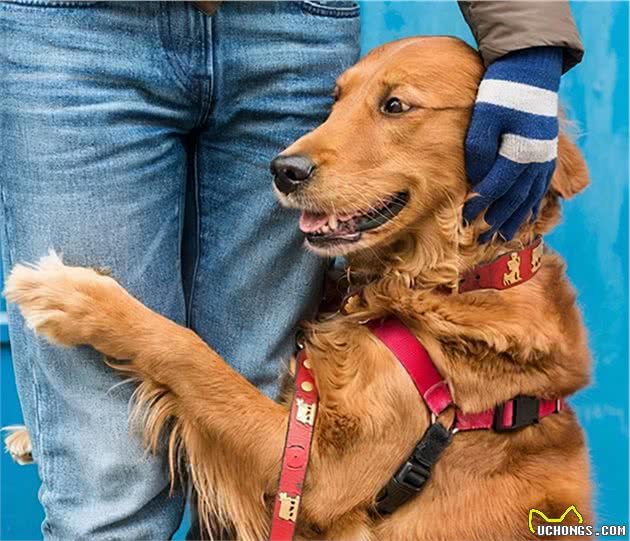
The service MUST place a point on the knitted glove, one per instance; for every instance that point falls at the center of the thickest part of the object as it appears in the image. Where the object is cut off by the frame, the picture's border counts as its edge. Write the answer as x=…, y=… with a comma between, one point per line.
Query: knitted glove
x=512, y=140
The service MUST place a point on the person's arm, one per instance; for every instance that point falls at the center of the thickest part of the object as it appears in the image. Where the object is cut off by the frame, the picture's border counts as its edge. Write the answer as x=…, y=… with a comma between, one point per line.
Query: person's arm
x=512, y=140
x=504, y=26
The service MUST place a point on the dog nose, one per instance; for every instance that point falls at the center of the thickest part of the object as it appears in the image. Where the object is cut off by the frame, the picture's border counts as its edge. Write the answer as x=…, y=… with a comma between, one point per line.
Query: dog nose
x=291, y=171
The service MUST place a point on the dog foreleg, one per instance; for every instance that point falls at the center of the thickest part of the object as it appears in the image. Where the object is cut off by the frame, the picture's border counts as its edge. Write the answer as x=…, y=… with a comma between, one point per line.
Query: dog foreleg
x=18, y=444
x=231, y=433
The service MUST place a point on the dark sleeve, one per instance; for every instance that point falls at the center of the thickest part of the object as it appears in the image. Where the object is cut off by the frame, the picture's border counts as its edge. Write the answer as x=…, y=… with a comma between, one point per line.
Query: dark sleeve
x=503, y=26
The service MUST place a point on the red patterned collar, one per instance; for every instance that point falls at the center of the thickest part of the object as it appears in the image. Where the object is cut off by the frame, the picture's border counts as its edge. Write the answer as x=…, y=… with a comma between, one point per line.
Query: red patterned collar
x=506, y=271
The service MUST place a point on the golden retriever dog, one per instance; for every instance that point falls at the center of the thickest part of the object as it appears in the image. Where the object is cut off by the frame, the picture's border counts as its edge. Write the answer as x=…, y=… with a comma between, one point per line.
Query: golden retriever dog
x=389, y=178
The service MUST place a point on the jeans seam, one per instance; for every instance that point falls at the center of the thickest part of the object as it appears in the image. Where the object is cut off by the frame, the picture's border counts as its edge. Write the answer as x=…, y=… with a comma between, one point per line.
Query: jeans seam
x=331, y=12
x=206, y=107
x=35, y=387
x=52, y=4
x=43, y=461
x=180, y=74
x=207, y=88
x=193, y=280
x=5, y=228
x=181, y=209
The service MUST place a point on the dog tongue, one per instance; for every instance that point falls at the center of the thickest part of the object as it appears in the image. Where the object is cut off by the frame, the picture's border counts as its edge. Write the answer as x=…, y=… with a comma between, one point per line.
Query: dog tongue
x=309, y=221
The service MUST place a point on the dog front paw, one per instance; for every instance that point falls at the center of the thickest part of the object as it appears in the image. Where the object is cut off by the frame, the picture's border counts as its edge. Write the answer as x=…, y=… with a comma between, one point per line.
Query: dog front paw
x=18, y=444
x=56, y=300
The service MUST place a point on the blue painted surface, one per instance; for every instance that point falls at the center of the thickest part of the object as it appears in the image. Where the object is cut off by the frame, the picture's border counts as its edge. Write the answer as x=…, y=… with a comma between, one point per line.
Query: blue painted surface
x=593, y=239
x=21, y=514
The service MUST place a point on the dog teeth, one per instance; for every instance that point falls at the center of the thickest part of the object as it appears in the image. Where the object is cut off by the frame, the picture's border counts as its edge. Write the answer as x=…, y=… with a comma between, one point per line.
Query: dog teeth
x=325, y=229
x=332, y=222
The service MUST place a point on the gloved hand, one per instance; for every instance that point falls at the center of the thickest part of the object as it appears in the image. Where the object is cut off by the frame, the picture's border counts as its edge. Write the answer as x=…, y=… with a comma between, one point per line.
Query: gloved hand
x=512, y=140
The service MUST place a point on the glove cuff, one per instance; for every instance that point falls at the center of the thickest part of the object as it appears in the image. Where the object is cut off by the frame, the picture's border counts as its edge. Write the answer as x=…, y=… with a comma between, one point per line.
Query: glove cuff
x=536, y=66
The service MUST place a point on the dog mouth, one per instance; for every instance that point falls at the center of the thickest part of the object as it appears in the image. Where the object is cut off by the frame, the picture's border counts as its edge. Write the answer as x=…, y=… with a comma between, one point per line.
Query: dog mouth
x=349, y=227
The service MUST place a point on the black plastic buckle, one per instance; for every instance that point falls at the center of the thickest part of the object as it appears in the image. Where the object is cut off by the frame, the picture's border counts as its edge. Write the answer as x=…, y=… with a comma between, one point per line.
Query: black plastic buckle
x=403, y=486
x=525, y=413
x=411, y=477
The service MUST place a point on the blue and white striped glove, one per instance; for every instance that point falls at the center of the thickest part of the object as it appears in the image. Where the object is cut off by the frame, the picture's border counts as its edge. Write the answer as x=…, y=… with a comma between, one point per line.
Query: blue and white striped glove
x=512, y=140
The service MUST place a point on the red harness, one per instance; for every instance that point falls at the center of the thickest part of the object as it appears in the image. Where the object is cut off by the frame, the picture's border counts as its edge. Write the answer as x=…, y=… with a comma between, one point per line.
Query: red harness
x=436, y=394
x=516, y=413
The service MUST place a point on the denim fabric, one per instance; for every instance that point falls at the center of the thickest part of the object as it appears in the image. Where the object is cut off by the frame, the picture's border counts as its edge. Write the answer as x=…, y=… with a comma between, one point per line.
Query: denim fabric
x=137, y=136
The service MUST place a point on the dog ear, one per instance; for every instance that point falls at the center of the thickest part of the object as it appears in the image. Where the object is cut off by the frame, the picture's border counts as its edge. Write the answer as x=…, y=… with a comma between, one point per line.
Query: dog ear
x=571, y=174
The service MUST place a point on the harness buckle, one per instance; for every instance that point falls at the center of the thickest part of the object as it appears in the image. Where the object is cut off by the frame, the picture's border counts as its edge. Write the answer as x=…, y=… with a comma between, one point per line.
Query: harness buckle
x=411, y=477
x=403, y=486
x=525, y=412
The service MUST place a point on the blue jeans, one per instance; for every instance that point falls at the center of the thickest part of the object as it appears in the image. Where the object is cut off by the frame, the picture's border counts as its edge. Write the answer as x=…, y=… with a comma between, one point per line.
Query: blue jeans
x=137, y=137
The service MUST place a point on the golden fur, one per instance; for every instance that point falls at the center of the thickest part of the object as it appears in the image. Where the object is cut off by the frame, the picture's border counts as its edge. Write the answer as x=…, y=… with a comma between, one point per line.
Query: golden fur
x=18, y=444
x=489, y=345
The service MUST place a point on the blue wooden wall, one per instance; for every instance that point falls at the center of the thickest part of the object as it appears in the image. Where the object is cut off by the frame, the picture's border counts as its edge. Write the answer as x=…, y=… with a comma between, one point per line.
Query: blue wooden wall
x=593, y=239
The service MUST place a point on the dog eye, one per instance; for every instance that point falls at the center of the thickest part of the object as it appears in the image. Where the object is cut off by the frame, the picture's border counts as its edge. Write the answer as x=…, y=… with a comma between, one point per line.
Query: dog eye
x=394, y=106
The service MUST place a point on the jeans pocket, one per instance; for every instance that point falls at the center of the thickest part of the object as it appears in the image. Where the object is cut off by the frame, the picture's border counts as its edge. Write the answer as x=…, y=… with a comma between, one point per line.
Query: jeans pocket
x=51, y=3
x=338, y=9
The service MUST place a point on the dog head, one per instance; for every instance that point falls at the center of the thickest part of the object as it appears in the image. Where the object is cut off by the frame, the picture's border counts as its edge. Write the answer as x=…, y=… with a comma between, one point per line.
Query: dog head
x=386, y=168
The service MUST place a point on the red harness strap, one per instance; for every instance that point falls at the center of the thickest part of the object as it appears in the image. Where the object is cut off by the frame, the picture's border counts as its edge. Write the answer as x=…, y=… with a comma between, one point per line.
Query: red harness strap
x=297, y=450
x=415, y=471
x=416, y=361
x=514, y=413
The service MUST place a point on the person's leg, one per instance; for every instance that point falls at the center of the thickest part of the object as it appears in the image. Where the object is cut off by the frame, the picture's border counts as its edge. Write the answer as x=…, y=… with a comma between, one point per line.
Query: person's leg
x=274, y=70
x=92, y=164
